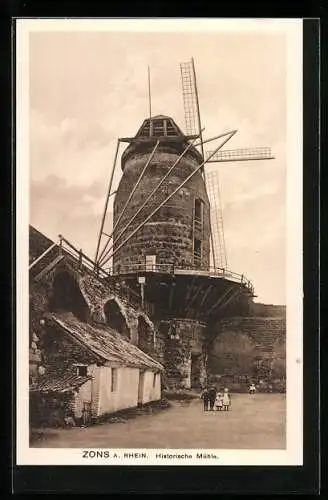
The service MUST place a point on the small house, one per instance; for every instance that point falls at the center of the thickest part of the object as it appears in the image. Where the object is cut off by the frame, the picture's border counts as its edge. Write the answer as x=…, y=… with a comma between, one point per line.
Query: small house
x=89, y=370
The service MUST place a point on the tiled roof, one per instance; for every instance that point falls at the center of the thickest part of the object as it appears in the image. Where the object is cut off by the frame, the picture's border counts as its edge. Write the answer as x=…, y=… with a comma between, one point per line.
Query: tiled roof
x=64, y=383
x=104, y=342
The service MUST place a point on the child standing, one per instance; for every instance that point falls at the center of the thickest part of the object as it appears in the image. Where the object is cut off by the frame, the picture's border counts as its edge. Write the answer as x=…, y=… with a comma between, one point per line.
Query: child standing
x=219, y=401
x=226, y=400
x=252, y=389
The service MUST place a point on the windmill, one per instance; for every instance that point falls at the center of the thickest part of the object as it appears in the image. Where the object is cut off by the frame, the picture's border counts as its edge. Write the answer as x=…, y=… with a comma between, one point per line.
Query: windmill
x=194, y=131
x=193, y=126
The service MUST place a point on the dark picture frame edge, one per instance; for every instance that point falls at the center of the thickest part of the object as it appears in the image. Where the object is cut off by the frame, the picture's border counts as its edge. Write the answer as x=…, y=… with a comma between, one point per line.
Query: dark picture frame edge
x=190, y=479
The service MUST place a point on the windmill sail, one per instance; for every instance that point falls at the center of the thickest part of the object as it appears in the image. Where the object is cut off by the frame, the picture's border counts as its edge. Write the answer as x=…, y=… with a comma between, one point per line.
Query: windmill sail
x=192, y=119
x=213, y=191
x=243, y=154
x=189, y=98
x=193, y=127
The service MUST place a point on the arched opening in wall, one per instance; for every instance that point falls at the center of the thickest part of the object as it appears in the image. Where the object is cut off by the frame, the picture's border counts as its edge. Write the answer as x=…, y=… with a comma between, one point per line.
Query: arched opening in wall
x=115, y=318
x=145, y=335
x=67, y=296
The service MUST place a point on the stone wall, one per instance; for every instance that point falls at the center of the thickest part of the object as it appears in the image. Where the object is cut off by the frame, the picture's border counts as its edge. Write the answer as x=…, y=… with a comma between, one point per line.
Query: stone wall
x=90, y=293
x=95, y=293
x=266, y=310
x=250, y=346
x=170, y=233
x=183, y=354
x=60, y=353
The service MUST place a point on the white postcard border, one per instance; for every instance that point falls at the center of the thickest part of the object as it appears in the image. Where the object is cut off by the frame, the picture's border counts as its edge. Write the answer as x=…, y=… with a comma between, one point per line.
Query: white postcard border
x=293, y=455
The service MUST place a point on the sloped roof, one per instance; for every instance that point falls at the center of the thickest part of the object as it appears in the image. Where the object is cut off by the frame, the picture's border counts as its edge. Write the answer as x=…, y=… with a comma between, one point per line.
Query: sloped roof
x=105, y=342
x=64, y=383
x=38, y=243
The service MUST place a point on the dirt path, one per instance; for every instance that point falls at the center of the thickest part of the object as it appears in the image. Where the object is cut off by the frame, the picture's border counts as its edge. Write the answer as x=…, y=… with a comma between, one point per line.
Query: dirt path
x=256, y=422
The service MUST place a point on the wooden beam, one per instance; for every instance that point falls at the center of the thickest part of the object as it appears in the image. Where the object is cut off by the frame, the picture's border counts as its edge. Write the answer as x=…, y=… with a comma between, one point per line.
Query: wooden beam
x=190, y=287
x=103, y=255
x=194, y=297
x=232, y=297
x=205, y=295
x=48, y=268
x=106, y=204
x=221, y=299
x=43, y=255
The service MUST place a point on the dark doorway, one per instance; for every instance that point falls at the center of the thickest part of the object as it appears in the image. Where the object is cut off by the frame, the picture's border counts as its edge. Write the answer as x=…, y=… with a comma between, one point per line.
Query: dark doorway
x=195, y=371
x=67, y=296
x=145, y=335
x=115, y=318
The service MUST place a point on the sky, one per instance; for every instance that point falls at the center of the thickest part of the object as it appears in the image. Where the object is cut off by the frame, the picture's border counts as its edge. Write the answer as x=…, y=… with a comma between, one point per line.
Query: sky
x=87, y=89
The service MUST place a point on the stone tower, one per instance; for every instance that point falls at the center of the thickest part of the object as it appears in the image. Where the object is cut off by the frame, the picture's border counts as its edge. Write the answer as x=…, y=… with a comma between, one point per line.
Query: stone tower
x=179, y=233
x=167, y=259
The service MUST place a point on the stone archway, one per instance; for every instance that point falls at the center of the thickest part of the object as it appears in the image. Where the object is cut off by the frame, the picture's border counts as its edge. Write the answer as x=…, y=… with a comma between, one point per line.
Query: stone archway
x=67, y=296
x=115, y=318
x=145, y=335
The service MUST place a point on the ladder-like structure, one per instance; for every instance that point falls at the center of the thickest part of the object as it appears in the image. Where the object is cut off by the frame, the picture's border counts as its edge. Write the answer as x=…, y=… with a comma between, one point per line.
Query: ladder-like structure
x=213, y=191
x=189, y=98
x=242, y=154
x=193, y=126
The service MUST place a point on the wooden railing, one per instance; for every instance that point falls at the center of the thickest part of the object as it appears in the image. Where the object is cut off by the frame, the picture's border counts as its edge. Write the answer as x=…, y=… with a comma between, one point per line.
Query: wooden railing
x=176, y=270
x=83, y=260
x=88, y=265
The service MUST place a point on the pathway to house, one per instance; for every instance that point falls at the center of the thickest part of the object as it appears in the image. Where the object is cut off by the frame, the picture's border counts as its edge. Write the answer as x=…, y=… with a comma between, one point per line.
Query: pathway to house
x=256, y=422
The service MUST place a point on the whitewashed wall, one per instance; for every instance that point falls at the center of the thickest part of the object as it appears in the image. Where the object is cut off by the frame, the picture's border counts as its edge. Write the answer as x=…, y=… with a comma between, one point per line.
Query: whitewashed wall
x=149, y=391
x=83, y=394
x=126, y=394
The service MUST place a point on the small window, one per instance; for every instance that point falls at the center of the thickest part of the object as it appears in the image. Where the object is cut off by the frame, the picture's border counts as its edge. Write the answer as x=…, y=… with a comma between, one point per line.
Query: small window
x=199, y=210
x=154, y=379
x=158, y=128
x=197, y=249
x=113, y=380
x=82, y=370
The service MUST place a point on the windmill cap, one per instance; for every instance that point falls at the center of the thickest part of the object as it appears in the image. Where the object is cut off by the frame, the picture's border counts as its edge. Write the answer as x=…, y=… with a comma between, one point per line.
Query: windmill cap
x=159, y=126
